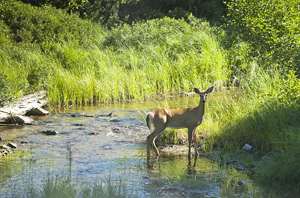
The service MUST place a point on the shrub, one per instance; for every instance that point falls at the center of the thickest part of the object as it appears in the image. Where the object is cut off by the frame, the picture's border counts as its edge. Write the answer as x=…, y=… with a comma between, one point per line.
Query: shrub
x=209, y=10
x=42, y=25
x=270, y=27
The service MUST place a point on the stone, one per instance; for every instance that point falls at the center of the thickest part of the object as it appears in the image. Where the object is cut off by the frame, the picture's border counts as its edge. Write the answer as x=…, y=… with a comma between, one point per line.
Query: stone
x=37, y=111
x=20, y=120
x=49, y=132
x=12, y=145
x=92, y=133
x=114, y=120
x=116, y=130
x=22, y=105
x=88, y=115
x=5, y=152
x=240, y=183
x=4, y=147
x=247, y=147
x=79, y=124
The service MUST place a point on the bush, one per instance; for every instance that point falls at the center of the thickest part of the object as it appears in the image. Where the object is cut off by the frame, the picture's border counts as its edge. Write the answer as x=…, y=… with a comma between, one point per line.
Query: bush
x=42, y=25
x=270, y=27
x=209, y=10
x=105, y=12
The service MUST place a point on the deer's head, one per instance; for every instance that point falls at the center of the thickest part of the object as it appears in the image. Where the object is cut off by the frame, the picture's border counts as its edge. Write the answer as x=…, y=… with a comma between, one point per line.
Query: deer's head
x=203, y=95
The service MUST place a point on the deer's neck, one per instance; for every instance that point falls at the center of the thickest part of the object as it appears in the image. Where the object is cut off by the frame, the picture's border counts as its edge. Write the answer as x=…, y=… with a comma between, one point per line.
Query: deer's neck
x=201, y=108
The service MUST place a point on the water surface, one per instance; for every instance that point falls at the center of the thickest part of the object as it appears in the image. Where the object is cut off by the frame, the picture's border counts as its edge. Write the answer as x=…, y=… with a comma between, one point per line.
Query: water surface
x=92, y=146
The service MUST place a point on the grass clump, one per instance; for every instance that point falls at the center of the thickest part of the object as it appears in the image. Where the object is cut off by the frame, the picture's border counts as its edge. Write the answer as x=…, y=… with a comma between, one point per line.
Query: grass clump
x=137, y=62
x=61, y=185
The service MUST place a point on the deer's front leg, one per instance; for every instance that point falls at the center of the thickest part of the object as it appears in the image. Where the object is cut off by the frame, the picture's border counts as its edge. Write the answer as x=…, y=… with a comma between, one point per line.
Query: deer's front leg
x=190, y=131
x=148, y=148
x=195, y=141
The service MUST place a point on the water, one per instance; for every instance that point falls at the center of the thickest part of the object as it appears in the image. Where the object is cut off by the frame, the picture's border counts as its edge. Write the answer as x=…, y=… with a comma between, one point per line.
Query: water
x=90, y=149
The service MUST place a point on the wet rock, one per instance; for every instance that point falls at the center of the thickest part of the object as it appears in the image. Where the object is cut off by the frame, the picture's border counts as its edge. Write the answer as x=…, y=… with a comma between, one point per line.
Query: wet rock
x=106, y=147
x=79, y=124
x=12, y=145
x=108, y=115
x=92, y=133
x=46, y=122
x=113, y=120
x=49, y=132
x=21, y=106
x=4, y=147
x=116, y=130
x=80, y=128
x=20, y=120
x=88, y=115
x=37, y=111
x=247, y=147
x=5, y=152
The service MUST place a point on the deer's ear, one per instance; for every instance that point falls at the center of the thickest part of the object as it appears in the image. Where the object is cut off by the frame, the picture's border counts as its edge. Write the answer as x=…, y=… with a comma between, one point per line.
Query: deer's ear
x=196, y=90
x=210, y=89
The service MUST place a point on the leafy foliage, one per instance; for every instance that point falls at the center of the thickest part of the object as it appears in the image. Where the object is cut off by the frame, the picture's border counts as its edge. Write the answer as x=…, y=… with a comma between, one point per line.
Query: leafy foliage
x=143, y=9
x=103, y=11
x=42, y=25
x=270, y=27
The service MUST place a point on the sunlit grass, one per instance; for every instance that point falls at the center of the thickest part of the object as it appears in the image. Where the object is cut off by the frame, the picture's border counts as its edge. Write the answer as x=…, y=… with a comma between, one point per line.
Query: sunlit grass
x=164, y=56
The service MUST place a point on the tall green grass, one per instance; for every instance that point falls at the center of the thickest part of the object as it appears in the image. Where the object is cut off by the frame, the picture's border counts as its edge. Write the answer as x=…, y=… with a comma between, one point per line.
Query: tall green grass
x=160, y=56
x=137, y=62
x=264, y=114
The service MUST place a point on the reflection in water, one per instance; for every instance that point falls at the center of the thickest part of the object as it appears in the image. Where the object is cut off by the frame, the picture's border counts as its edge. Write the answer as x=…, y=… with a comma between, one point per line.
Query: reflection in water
x=88, y=149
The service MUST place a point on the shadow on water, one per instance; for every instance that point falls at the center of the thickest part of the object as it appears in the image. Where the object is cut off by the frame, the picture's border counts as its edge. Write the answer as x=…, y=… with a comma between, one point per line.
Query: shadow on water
x=91, y=146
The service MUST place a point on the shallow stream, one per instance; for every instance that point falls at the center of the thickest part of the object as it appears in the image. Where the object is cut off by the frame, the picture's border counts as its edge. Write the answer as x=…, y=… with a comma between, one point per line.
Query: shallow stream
x=92, y=146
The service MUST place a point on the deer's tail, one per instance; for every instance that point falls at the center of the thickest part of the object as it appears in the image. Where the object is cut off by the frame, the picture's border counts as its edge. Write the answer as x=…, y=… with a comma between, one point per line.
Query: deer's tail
x=148, y=120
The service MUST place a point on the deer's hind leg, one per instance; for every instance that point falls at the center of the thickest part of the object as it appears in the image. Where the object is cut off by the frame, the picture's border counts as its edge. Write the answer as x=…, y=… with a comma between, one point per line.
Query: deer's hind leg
x=151, y=139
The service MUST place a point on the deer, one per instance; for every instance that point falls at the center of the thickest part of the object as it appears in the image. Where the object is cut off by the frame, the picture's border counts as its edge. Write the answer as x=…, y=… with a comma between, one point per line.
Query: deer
x=189, y=118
